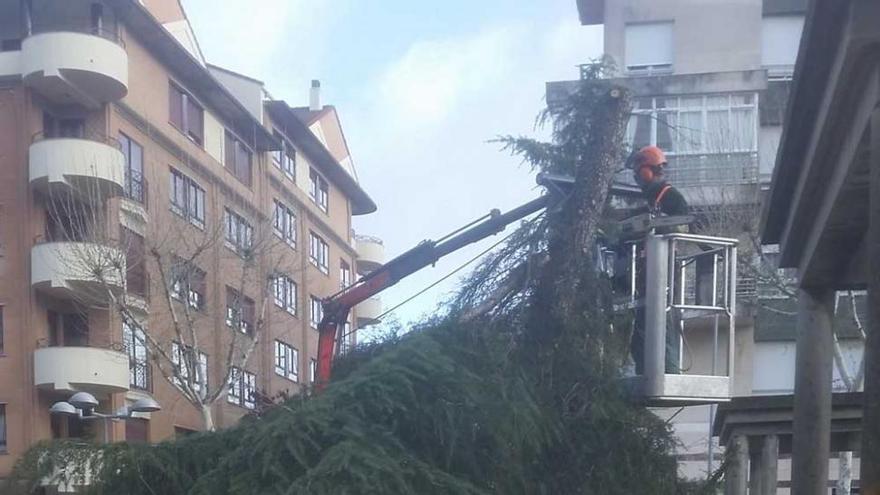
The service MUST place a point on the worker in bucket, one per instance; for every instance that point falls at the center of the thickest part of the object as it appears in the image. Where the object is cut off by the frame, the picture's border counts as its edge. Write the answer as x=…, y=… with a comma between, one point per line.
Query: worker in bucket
x=648, y=165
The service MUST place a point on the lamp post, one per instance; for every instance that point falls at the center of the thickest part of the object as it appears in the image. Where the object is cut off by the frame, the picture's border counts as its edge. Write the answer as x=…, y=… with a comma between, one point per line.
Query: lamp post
x=82, y=405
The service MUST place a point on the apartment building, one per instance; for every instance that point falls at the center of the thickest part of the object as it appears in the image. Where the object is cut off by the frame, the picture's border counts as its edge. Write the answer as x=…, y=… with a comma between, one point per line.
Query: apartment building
x=711, y=81
x=225, y=216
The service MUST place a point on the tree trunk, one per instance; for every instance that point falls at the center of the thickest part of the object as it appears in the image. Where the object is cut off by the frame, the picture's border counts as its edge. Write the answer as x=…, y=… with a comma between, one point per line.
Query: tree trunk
x=208, y=417
x=844, y=477
x=565, y=291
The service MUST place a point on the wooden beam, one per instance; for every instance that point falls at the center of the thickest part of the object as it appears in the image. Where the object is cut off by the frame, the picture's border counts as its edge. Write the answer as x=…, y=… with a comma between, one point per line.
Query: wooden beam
x=870, y=461
x=840, y=156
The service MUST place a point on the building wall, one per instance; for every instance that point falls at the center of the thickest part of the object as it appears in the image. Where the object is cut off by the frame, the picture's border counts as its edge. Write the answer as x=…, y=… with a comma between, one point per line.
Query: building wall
x=143, y=115
x=708, y=36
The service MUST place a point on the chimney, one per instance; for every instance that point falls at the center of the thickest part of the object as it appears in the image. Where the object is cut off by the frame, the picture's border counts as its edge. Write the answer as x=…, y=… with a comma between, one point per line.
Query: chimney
x=315, y=96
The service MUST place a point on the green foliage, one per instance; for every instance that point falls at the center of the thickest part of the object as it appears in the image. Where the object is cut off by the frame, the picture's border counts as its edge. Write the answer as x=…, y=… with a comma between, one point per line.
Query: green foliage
x=444, y=410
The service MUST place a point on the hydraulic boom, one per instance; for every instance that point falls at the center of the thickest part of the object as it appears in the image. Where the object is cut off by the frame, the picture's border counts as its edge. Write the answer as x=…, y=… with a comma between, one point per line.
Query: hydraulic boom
x=337, y=306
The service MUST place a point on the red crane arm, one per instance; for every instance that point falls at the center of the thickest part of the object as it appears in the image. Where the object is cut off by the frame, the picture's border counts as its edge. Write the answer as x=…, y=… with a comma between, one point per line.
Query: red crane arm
x=337, y=307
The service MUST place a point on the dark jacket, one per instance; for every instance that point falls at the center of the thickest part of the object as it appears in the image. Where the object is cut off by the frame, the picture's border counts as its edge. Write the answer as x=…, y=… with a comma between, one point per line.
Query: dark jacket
x=664, y=198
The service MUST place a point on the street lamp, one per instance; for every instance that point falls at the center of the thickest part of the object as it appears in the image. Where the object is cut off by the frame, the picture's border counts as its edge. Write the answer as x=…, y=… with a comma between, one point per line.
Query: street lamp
x=83, y=404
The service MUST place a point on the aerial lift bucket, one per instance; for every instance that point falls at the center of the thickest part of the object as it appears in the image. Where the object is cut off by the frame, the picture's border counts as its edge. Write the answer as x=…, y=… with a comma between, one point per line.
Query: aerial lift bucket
x=683, y=296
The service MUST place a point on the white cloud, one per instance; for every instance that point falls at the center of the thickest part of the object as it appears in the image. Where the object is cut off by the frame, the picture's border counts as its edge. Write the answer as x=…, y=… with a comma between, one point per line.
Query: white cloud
x=428, y=82
x=291, y=40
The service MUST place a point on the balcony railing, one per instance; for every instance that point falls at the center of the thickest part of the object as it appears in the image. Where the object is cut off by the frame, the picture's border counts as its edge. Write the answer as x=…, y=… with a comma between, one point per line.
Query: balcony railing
x=713, y=169
x=136, y=187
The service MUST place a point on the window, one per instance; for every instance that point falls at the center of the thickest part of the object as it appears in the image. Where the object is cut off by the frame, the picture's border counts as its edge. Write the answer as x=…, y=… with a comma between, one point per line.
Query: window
x=319, y=253
x=347, y=338
x=239, y=233
x=136, y=276
x=182, y=432
x=648, y=47
x=2, y=427
x=780, y=41
x=240, y=311
x=313, y=370
x=344, y=274
x=187, y=198
x=242, y=388
x=135, y=342
x=708, y=138
x=186, y=114
x=188, y=283
x=285, y=158
x=319, y=190
x=238, y=159
x=184, y=360
x=284, y=289
x=284, y=223
x=316, y=313
x=286, y=361
x=135, y=184
x=137, y=430
x=56, y=127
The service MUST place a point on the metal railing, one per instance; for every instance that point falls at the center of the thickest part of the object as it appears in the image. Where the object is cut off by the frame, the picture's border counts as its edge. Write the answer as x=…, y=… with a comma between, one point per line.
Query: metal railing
x=83, y=134
x=713, y=169
x=368, y=238
x=136, y=187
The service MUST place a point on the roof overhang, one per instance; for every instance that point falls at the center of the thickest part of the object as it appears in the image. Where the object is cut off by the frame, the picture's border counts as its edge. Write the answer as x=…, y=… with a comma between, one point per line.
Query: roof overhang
x=193, y=74
x=308, y=143
x=591, y=11
x=817, y=206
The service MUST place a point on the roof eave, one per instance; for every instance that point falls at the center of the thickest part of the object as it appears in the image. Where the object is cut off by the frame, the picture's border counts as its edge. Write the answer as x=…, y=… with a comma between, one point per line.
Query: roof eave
x=361, y=203
x=591, y=12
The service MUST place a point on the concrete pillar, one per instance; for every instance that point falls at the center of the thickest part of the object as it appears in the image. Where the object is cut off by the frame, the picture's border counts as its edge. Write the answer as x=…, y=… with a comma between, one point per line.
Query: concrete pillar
x=737, y=475
x=769, y=474
x=755, y=462
x=811, y=440
x=870, y=465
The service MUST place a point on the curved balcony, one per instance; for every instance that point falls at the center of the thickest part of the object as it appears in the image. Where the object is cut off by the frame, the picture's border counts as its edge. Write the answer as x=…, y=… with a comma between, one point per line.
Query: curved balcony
x=368, y=312
x=93, y=168
x=88, y=67
x=371, y=253
x=89, y=369
x=67, y=270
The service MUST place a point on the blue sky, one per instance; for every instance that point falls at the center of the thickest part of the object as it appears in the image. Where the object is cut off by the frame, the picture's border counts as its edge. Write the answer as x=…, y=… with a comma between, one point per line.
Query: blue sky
x=421, y=86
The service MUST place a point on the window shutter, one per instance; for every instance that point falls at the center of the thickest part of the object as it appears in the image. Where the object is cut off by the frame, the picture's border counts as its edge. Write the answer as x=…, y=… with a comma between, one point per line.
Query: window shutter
x=780, y=40
x=243, y=164
x=195, y=120
x=648, y=45
x=175, y=106
x=229, y=152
